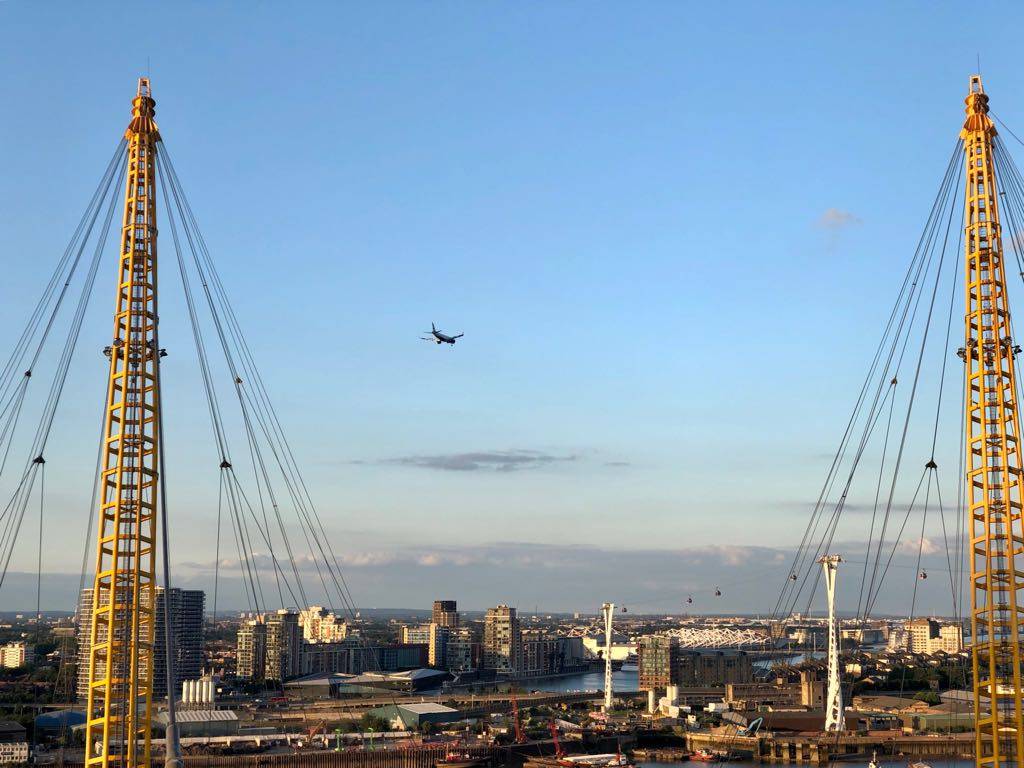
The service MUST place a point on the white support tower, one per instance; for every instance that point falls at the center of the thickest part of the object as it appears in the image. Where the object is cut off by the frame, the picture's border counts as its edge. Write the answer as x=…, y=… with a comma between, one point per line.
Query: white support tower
x=835, y=719
x=607, y=611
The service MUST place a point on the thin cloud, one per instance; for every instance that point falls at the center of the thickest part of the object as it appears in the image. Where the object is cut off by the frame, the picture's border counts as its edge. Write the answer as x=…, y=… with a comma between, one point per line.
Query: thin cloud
x=475, y=461
x=836, y=219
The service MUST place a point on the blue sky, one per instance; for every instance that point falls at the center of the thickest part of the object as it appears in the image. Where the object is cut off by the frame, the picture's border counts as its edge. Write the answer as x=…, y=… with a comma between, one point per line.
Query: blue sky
x=671, y=232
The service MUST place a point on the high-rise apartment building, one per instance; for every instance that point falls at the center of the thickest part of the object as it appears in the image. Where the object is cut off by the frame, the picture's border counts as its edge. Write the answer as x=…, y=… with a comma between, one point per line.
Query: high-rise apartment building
x=269, y=647
x=16, y=654
x=438, y=645
x=503, y=641
x=931, y=635
x=185, y=608
x=445, y=614
x=319, y=625
x=284, y=644
x=656, y=657
x=251, y=649
x=661, y=662
x=419, y=635
x=463, y=651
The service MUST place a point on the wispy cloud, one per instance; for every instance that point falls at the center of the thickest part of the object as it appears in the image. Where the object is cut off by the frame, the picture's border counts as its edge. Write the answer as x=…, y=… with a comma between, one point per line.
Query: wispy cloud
x=473, y=461
x=836, y=219
x=834, y=222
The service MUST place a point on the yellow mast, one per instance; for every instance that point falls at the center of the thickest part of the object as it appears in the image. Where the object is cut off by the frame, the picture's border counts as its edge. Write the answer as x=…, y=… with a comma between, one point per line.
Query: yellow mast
x=121, y=652
x=993, y=459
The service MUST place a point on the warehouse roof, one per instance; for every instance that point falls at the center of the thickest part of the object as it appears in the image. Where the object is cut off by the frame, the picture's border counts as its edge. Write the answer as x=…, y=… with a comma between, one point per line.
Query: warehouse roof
x=201, y=716
x=426, y=708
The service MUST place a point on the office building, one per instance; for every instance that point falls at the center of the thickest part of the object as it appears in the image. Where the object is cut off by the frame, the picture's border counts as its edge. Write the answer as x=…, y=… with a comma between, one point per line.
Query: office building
x=186, y=607
x=445, y=614
x=503, y=641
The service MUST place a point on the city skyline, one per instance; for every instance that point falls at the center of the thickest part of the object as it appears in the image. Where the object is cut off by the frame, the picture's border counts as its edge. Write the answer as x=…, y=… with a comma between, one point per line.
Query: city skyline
x=578, y=401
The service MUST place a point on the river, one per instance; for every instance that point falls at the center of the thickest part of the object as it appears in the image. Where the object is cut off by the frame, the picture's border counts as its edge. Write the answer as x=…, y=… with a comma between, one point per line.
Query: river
x=625, y=679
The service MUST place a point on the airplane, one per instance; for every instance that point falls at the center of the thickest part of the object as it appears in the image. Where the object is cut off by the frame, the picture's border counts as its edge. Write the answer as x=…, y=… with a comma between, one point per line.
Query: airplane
x=440, y=338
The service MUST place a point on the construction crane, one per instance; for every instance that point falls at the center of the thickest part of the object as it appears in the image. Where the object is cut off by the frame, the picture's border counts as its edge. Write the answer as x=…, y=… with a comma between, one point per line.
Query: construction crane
x=121, y=663
x=994, y=483
x=516, y=720
x=559, y=752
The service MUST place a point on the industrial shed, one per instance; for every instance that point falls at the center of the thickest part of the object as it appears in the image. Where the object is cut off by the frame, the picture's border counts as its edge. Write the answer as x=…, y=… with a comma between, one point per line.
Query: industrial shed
x=411, y=716
x=203, y=722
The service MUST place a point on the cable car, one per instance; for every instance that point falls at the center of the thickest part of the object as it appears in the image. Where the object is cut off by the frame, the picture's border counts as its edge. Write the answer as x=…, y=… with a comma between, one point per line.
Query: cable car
x=689, y=600
x=718, y=592
x=625, y=609
x=792, y=577
x=922, y=575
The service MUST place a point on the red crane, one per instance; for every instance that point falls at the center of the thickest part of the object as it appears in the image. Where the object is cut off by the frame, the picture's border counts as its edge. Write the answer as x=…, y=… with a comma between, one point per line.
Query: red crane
x=554, y=735
x=520, y=738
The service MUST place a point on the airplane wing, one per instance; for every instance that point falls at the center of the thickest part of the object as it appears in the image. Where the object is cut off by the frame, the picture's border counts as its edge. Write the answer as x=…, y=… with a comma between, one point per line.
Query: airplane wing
x=459, y=336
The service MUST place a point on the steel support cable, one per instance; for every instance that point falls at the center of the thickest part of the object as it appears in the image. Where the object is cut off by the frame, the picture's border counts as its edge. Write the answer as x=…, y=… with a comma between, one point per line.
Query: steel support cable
x=252, y=371
x=826, y=539
x=15, y=403
x=260, y=470
x=873, y=596
x=35, y=318
x=56, y=390
x=39, y=556
x=216, y=558
x=193, y=231
x=903, y=299
x=182, y=200
x=88, y=540
x=259, y=496
x=176, y=193
x=249, y=584
x=245, y=541
x=945, y=541
x=1006, y=172
x=935, y=431
x=212, y=403
x=932, y=475
x=912, y=305
x=172, y=745
x=11, y=426
x=250, y=567
x=265, y=533
x=874, y=507
x=296, y=500
x=910, y=407
x=931, y=231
